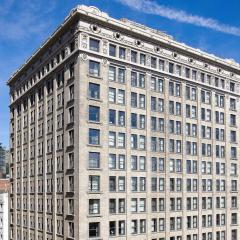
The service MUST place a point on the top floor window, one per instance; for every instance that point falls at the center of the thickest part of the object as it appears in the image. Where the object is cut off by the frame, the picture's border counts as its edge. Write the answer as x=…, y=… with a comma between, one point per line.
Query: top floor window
x=133, y=56
x=171, y=67
x=112, y=50
x=122, y=53
x=94, y=44
x=142, y=59
x=232, y=87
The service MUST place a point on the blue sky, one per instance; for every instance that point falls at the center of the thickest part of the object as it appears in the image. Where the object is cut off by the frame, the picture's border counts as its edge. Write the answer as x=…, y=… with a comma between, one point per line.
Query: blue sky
x=210, y=25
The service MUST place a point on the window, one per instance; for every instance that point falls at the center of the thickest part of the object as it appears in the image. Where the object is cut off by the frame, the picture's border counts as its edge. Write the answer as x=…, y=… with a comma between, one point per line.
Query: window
x=153, y=62
x=142, y=59
x=71, y=137
x=232, y=104
x=121, y=140
x=112, y=139
x=94, y=183
x=94, y=113
x=112, y=95
x=121, y=118
x=94, y=68
x=94, y=91
x=134, y=227
x=112, y=228
x=71, y=116
x=71, y=92
x=112, y=50
x=112, y=116
x=134, y=56
x=122, y=53
x=94, y=160
x=112, y=183
x=171, y=68
x=94, y=206
x=112, y=161
x=112, y=73
x=94, y=136
x=232, y=86
x=94, y=229
x=161, y=64
x=121, y=75
x=94, y=44
x=71, y=70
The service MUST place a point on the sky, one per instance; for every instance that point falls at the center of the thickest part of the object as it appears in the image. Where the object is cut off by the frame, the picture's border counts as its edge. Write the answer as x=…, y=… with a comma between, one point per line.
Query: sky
x=210, y=25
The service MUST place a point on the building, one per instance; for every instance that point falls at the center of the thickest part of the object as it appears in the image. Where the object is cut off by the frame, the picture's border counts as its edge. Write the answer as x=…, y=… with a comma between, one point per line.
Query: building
x=4, y=158
x=120, y=132
x=4, y=188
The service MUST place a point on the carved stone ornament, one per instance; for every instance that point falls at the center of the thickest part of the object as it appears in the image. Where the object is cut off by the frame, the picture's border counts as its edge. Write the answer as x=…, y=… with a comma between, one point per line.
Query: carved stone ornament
x=117, y=36
x=76, y=41
x=128, y=67
x=191, y=60
x=157, y=49
x=95, y=28
x=139, y=43
x=237, y=88
x=128, y=55
x=84, y=40
x=148, y=60
x=105, y=62
x=227, y=85
x=105, y=46
x=66, y=51
x=84, y=56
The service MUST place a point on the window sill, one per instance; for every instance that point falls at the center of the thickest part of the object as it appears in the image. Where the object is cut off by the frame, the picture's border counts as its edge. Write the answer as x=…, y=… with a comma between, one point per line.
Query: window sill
x=95, y=99
x=93, y=76
x=94, y=169
x=94, y=145
x=94, y=192
x=94, y=215
x=94, y=122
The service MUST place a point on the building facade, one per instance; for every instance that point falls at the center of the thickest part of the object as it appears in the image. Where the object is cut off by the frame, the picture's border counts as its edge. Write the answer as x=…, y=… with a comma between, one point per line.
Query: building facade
x=120, y=132
x=4, y=159
x=4, y=212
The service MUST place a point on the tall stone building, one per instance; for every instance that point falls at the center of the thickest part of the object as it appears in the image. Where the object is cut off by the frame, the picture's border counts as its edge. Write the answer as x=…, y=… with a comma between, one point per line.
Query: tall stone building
x=120, y=132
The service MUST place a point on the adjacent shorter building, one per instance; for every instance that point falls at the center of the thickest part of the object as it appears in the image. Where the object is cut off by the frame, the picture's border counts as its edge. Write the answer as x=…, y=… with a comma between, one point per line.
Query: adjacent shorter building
x=120, y=132
x=4, y=162
x=4, y=216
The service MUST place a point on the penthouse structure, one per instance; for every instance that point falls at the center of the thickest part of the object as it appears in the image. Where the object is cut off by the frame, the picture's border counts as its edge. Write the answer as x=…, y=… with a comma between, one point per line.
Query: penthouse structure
x=120, y=132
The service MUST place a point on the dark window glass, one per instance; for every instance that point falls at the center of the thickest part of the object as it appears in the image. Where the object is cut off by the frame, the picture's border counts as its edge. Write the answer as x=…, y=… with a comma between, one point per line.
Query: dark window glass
x=94, y=45
x=94, y=90
x=94, y=136
x=94, y=113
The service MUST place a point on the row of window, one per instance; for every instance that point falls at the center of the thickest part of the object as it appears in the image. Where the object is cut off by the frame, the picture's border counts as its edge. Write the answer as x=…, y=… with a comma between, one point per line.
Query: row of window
x=162, y=65
x=158, y=184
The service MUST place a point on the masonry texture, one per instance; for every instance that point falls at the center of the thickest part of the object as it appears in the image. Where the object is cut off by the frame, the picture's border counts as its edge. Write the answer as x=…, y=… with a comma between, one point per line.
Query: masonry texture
x=120, y=132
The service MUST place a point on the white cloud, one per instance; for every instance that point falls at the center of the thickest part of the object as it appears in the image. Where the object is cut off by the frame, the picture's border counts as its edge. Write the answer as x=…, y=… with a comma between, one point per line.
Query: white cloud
x=18, y=22
x=151, y=7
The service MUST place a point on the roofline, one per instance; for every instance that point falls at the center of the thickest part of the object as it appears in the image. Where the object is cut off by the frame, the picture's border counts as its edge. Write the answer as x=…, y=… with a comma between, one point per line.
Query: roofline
x=132, y=28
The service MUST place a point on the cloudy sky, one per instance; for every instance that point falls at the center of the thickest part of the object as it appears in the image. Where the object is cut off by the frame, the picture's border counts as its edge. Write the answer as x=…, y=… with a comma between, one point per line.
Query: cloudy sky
x=210, y=25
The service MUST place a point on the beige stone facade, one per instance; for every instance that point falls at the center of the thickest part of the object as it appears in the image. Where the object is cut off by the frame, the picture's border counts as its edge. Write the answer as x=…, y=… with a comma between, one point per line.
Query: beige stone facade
x=120, y=132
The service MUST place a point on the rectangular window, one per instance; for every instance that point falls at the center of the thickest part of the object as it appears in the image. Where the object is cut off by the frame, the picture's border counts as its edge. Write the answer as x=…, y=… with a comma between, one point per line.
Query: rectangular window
x=94, y=160
x=94, y=136
x=112, y=50
x=94, y=68
x=94, y=91
x=94, y=114
x=94, y=44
